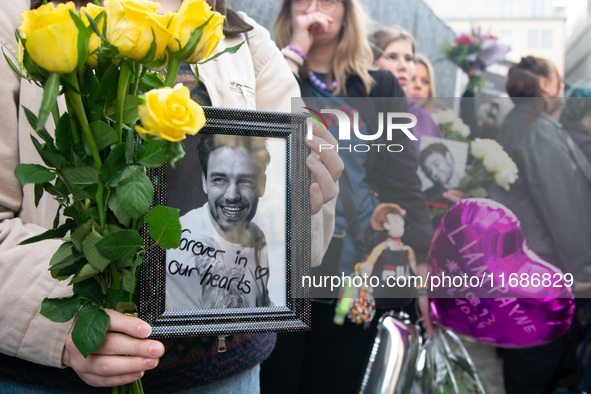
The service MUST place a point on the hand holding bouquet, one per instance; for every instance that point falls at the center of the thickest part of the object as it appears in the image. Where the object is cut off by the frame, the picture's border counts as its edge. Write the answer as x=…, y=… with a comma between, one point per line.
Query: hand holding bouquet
x=96, y=162
x=473, y=53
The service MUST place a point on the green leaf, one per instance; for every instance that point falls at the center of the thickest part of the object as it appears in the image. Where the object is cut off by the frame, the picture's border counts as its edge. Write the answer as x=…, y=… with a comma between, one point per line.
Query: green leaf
x=89, y=289
x=87, y=271
x=94, y=25
x=91, y=84
x=69, y=265
x=65, y=250
x=80, y=176
x=165, y=226
x=127, y=281
x=58, y=190
x=56, y=218
x=81, y=159
x=154, y=155
x=130, y=113
x=135, y=191
x=33, y=69
x=176, y=151
x=32, y=119
x=13, y=66
x=80, y=234
x=38, y=193
x=126, y=307
x=85, y=192
x=116, y=296
x=60, y=310
x=150, y=81
x=104, y=135
x=120, y=245
x=63, y=135
x=74, y=212
x=137, y=262
x=69, y=85
x=112, y=169
x=50, y=91
x=233, y=49
x=121, y=264
x=57, y=233
x=33, y=173
x=108, y=89
x=90, y=329
x=118, y=211
x=83, y=36
x=89, y=247
x=49, y=158
x=189, y=48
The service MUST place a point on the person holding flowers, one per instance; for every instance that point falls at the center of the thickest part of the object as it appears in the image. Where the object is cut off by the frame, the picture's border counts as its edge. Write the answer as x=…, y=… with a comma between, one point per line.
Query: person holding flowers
x=551, y=199
x=57, y=47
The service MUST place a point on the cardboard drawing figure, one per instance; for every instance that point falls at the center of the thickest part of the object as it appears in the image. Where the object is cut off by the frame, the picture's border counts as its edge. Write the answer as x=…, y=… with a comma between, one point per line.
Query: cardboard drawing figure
x=390, y=259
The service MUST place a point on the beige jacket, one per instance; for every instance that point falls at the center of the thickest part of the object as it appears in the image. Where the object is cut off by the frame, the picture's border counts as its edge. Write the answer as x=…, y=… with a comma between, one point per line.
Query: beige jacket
x=24, y=277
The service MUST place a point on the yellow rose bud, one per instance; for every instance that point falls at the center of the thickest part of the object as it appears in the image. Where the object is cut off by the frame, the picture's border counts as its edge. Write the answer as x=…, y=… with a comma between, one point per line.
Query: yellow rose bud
x=95, y=41
x=51, y=37
x=169, y=114
x=191, y=15
x=130, y=24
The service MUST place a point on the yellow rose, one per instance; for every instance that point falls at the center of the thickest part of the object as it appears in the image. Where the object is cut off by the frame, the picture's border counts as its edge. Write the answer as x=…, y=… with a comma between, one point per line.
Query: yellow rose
x=130, y=24
x=191, y=15
x=95, y=41
x=51, y=37
x=169, y=114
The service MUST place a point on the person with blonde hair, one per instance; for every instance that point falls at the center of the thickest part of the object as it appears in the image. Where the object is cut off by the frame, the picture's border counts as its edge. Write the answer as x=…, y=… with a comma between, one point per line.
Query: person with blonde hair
x=324, y=43
x=422, y=85
x=394, y=51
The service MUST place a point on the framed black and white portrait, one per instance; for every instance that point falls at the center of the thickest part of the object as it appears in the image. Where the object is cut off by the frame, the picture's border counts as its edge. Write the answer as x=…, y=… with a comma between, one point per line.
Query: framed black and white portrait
x=442, y=164
x=245, y=222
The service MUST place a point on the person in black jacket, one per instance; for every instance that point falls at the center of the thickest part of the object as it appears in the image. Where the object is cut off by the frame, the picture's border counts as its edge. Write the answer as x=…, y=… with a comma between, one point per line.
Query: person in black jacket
x=325, y=44
x=551, y=200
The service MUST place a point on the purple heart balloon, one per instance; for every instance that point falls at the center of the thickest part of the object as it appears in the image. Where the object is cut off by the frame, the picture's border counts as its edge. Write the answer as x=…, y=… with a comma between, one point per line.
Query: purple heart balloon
x=481, y=242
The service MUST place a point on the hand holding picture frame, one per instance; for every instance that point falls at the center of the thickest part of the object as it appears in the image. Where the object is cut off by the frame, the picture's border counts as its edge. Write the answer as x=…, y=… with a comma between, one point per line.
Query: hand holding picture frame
x=245, y=222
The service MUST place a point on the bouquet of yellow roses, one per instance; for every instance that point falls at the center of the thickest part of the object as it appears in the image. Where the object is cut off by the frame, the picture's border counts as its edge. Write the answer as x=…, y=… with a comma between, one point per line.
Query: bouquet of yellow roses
x=101, y=60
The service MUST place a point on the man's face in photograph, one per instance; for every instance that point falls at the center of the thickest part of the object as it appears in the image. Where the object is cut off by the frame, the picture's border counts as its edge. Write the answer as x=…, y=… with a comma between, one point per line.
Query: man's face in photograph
x=231, y=187
x=440, y=168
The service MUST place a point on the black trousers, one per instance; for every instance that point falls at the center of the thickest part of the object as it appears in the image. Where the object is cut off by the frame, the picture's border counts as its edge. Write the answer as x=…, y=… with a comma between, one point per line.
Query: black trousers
x=538, y=369
x=328, y=359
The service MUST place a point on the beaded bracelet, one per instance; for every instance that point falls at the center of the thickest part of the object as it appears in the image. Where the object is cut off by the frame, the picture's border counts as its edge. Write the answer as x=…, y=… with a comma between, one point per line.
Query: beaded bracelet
x=301, y=53
x=293, y=56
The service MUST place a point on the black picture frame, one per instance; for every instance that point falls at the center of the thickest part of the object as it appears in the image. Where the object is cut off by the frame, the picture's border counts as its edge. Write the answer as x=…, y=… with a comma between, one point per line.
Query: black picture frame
x=291, y=315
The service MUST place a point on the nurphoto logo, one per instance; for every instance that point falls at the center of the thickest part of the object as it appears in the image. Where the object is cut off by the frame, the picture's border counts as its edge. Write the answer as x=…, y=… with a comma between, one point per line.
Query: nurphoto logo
x=344, y=124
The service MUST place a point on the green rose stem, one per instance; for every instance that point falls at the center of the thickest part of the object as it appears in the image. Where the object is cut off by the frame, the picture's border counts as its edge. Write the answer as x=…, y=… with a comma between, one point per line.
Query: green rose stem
x=78, y=106
x=174, y=64
x=122, y=88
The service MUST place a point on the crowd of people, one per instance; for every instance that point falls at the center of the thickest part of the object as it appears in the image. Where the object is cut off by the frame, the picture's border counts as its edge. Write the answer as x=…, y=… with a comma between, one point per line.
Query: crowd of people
x=323, y=53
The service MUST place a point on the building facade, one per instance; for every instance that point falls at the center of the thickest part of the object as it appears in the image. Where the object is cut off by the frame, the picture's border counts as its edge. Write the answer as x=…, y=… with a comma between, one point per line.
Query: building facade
x=578, y=49
x=530, y=27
